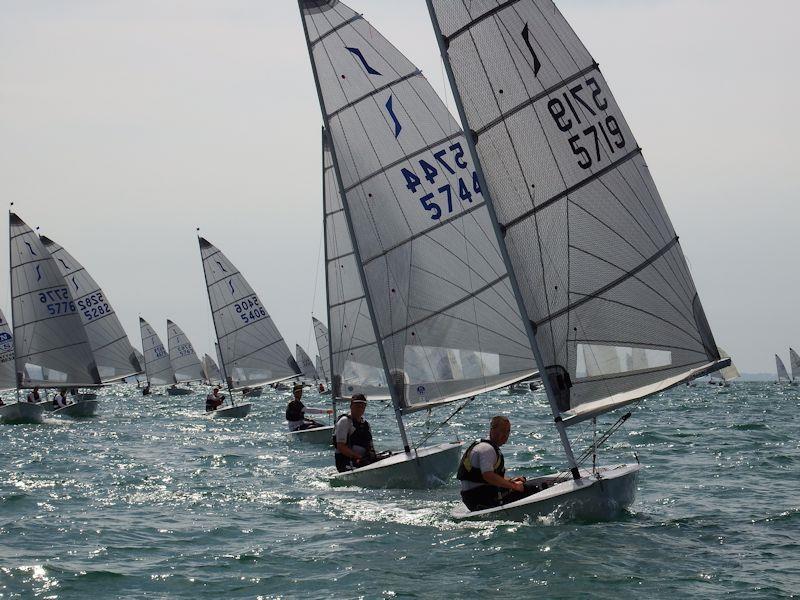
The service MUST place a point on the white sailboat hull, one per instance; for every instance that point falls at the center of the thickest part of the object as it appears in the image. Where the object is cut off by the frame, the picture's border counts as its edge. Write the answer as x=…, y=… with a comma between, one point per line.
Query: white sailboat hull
x=232, y=412
x=316, y=435
x=419, y=469
x=178, y=391
x=78, y=410
x=21, y=412
x=591, y=497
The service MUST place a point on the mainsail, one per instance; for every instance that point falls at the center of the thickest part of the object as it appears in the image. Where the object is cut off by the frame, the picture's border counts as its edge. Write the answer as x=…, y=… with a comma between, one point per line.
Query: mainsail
x=306, y=365
x=794, y=363
x=110, y=346
x=595, y=259
x=782, y=373
x=251, y=348
x=182, y=356
x=321, y=334
x=51, y=347
x=156, y=359
x=8, y=380
x=211, y=370
x=438, y=292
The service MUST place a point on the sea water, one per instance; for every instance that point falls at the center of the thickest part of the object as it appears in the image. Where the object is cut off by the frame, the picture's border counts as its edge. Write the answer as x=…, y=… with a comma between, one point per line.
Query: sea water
x=151, y=499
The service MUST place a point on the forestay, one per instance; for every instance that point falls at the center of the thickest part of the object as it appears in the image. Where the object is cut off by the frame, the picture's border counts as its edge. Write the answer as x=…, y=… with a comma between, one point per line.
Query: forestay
x=794, y=362
x=185, y=363
x=157, y=366
x=211, y=370
x=598, y=263
x=304, y=362
x=251, y=348
x=782, y=373
x=8, y=380
x=51, y=348
x=321, y=335
x=356, y=366
x=443, y=308
x=110, y=346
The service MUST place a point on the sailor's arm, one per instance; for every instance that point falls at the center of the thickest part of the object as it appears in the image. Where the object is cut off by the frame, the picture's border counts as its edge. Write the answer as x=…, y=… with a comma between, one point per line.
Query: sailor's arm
x=344, y=449
x=318, y=411
x=494, y=479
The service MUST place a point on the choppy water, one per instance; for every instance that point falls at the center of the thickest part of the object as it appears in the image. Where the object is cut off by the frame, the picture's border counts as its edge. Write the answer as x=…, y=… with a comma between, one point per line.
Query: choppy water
x=150, y=500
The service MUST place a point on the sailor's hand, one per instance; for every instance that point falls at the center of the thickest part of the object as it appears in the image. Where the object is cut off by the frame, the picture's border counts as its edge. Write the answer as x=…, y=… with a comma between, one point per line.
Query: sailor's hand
x=329, y=412
x=517, y=486
x=519, y=480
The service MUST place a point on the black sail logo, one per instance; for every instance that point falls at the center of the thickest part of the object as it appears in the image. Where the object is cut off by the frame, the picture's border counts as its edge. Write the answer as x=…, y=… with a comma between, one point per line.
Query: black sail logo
x=526, y=35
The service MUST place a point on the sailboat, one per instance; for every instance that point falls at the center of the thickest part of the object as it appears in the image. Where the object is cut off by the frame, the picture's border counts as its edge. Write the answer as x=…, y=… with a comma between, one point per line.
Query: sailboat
x=51, y=348
x=252, y=351
x=417, y=288
x=307, y=368
x=111, y=348
x=723, y=377
x=157, y=366
x=211, y=372
x=783, y=374
x=13, y=412
x=185, y=364
x=594, y=261
x=794, y=363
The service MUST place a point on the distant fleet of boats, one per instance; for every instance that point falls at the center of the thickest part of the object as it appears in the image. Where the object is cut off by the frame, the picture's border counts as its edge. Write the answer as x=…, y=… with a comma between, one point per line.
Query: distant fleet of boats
x=523, y=245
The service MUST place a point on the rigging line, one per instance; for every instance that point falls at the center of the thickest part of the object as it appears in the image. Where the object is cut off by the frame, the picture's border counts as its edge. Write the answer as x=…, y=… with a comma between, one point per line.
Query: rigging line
x=443, y=423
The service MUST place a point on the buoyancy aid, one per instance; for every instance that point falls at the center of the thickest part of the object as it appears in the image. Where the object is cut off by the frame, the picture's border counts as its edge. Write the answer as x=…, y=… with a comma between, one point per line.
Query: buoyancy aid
x=294, y=410
x=362, y=436
x=466, y=472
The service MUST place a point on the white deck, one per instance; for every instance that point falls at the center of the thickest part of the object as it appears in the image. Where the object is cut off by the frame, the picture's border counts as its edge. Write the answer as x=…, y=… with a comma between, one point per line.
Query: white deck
x=317, y=435
x=232, y=412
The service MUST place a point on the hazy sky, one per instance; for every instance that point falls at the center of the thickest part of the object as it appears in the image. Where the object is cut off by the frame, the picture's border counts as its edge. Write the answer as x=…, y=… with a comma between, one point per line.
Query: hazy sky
x=125, y=124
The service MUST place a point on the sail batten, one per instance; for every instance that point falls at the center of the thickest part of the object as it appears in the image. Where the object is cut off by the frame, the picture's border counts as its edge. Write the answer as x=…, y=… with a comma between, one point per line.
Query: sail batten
x=415, y=221
x=51, y=347
x=251, y=349
x=588, y=239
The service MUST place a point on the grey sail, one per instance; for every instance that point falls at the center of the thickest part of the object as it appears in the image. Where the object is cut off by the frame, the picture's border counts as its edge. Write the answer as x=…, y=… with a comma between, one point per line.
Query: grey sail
x=355, y=360
x=729, y=373
x=211, y=370
x=157, y=367
x=320, y=369
x=8, y=379
x=305, y=363
x=443, y=310
x=51, y=347
x=783, y=375
x=110, y=345
x=597, y=262
x=185, y=363
x=251, y=348
x=321, y=335
x=794, y=363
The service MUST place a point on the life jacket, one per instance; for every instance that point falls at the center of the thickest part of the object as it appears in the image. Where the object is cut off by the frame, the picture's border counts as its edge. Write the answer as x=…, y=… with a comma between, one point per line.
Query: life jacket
x=466, y=472
x=212, y=402
x=294, y=410
x=362, y=436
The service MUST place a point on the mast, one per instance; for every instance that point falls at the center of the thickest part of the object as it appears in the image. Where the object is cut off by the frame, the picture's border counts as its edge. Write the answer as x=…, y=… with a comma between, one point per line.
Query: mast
x=325, y=262
x=348, y=218
x=228, y=381
x=548, y=385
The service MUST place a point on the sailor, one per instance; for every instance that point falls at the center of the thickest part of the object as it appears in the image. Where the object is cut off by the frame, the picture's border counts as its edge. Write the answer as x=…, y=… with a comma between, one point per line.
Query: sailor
x=295, y=411
x=321, y=388
x=214, y=400
x=353, y=437
x=482, y=471
x=33, y=395
x=146, y=390
x=60, y=399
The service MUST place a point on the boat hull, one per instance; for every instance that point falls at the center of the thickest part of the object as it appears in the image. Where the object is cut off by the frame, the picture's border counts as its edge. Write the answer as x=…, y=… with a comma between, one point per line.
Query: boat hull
x=590, y=498
x=316, y=435
x=78, y=410
x=254, y=393
x=179, y=391
x=21, y=412
x=232, y=412
x=424, y=468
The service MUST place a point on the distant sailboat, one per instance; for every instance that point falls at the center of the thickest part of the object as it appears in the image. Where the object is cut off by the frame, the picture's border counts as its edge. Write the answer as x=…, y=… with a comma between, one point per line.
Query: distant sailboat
x=12, y=412
x=183, y=358
x=783, y=375
x=307, y=368
x=51, y=345
x=595, y=263
x=323, y=345
x=211, y=371
x=157, y=366
x=423, y=276
x=252, y=350
x=726, y=375
x=794, y=363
